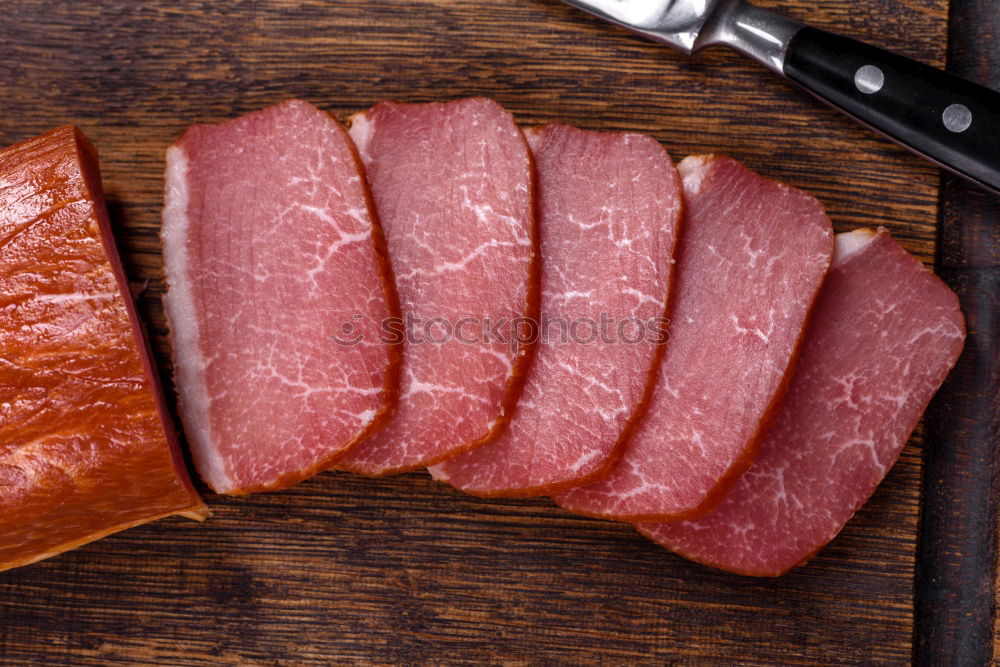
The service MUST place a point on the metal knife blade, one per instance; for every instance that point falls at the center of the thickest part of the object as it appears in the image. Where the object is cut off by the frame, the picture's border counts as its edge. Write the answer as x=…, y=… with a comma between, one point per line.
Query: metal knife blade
x=946, y=119
x=690, y=25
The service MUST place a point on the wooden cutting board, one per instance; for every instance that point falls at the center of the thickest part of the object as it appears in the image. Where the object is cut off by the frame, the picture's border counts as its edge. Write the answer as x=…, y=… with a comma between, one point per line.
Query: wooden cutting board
x=344, y=568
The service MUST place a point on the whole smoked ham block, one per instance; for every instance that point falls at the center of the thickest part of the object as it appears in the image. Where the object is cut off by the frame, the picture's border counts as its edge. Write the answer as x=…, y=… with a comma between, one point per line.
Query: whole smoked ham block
x=751, y=258
x=610, y=205
x=884, y=335
x=86, y=446
x=278, y=288
x=453, y=186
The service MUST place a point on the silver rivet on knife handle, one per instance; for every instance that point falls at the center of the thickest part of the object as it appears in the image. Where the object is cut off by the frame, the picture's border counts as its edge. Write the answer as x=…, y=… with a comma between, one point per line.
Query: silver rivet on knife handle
x=957, y=118
x=869, y=79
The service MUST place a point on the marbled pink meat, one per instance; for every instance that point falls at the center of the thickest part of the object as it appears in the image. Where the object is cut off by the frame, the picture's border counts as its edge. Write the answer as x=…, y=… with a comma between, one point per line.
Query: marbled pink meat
x=751, y=258
x=885, y=333
x=270, y=249
x=610, y=204
x=453, y=185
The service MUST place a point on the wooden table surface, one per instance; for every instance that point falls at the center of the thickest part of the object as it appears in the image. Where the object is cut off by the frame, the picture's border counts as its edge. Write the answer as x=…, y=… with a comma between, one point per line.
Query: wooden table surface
x=956, y=613
x=343, y=568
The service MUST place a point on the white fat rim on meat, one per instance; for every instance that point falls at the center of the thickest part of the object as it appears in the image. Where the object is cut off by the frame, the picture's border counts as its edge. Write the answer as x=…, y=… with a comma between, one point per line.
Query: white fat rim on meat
x=534, y=137
x=692, y=170
x=189, y=360
x=361, y=133
x=850, y=243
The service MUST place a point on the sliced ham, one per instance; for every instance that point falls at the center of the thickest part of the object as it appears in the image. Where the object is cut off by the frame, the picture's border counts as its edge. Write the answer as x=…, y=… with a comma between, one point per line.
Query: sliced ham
x=751, y=258
x=278, y=288
x=86, y=446
x=885, y=333
x=453, y=186
x=610, y=204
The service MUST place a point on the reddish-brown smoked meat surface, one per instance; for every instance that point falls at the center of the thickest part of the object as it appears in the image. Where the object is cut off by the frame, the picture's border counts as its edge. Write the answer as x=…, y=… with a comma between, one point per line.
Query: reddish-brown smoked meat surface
x=885, y=333
x=86, y=448
x=751, y=258
x=453, y=185
x=610, y=204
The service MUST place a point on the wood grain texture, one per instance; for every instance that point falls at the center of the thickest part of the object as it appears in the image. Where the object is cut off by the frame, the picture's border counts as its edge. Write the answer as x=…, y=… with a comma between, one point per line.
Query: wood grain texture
x=342, y=568
x=957, y=556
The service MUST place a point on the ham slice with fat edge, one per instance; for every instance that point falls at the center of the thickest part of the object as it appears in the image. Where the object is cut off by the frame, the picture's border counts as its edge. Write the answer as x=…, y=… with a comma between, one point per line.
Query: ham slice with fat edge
x=751, y=258
x=278, y=287
x=453, y=185
x=610, y=204
x=87, y=447
x=884, y=335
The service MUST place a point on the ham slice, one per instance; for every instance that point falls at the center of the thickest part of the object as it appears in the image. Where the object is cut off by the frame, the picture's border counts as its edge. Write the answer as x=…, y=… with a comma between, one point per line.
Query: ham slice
x=453, y=186
x=751, y=259
x=278, y=287
x=610, y=205
x=86, y=446
x=885, y=333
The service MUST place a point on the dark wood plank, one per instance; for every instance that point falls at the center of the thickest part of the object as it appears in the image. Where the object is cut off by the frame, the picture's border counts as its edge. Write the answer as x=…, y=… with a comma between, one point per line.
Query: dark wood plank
x=957, y=558
x=404, y=570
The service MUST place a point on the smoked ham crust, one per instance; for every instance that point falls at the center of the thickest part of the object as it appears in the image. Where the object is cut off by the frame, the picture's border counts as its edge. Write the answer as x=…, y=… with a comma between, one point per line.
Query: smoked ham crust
x=87, y=447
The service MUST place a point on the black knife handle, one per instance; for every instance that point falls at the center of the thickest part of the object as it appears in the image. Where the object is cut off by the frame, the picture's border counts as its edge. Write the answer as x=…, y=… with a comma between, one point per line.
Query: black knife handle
x=945, y=118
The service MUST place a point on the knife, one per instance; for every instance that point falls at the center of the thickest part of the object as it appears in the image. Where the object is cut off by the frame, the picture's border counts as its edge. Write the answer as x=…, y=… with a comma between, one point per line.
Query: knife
x=944, y=118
